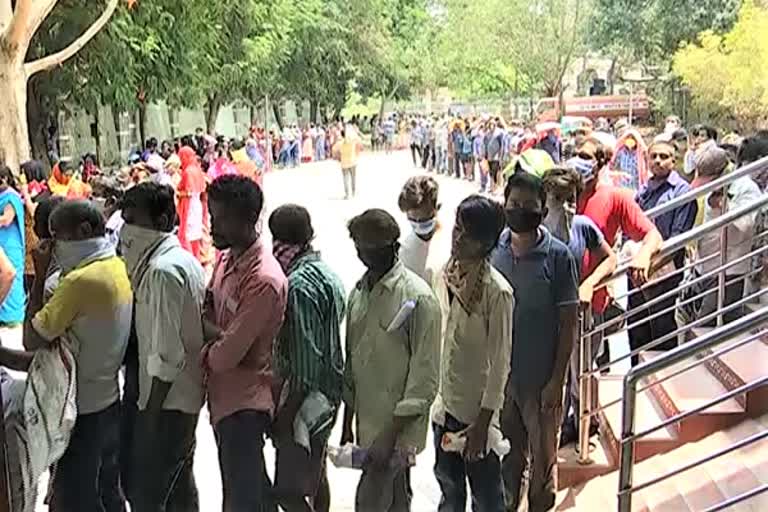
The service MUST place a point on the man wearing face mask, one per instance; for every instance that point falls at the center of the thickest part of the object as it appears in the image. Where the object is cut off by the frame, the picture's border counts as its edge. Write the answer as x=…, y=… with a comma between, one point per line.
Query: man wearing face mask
x=563, y=185
x=169, y=290
x=665, y=185
x=418, y=201
x=393, y=355
x=91, y=308
x=612, y=209
x=477, y=304
x=543, y=274
x=308, y=359
x=244, y=311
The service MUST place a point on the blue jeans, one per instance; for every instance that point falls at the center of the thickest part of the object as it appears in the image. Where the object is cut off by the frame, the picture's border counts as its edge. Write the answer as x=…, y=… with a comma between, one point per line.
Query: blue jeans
x=451, y=472
x=320, y=149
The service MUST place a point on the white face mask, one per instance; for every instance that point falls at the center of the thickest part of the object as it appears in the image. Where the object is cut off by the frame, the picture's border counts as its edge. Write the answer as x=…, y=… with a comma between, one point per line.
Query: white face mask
x=559, y=220
x=424, y=228
x=134, y=243
x=71, y=253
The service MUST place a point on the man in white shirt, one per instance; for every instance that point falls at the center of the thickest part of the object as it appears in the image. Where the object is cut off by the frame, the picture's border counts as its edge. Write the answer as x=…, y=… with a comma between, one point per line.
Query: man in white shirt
x=169, y=290
x=418, y=200
x=711, y=163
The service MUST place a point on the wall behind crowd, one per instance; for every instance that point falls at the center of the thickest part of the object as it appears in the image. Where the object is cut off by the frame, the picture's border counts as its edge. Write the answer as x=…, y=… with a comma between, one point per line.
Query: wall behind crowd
x=77, y=134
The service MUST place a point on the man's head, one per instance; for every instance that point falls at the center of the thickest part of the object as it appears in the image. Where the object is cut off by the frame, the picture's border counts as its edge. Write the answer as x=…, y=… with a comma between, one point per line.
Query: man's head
x=753, y=149
x=525, y=202
x=76, y=220
x=662, y=157
x=151, y=206
x=375, y=234
x=563, y=185
x=711, y=163
x=418, y=200
x=680, y=139
x=235, y=204
x=291, y=224
x=701, y=134
x=591, y=157
x=479, y=222
x=42, y=216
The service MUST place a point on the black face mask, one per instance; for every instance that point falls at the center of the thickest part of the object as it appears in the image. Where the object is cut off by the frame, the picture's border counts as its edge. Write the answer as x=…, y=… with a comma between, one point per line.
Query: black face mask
x=522, y=220
x=378, y=260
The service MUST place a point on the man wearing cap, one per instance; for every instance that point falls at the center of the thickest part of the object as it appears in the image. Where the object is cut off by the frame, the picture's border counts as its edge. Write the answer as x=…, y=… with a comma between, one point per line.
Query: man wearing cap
x=711, y=163
x=391, y=373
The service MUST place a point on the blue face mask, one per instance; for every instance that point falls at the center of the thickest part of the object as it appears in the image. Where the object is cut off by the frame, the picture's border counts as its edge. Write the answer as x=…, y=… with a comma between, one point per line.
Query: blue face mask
x=425, y=227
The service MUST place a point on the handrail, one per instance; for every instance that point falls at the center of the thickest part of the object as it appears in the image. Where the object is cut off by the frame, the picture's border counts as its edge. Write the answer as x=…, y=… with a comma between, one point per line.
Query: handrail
x=746, y=170
x=671, y=358
x=680, y=241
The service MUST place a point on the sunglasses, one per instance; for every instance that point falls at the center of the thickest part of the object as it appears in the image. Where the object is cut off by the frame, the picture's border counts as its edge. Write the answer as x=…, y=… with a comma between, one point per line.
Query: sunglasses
x=660, y=156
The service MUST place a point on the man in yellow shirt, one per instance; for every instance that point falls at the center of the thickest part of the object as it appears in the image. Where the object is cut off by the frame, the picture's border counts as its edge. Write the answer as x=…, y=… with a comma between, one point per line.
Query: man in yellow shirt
x=347, y=150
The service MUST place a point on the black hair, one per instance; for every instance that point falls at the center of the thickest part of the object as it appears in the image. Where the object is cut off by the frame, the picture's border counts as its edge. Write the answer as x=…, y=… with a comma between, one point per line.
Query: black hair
x=710, y=132
x=291, y=223
x=483, y=219
x=679, y=135
x=70, y=214
x=7, y=176
x=239, y=193
x=65, y=165
x=33, y=170
x=43, y=214
x=155, y=199
x=753, y=148
x=374, y=224
x=529, y=182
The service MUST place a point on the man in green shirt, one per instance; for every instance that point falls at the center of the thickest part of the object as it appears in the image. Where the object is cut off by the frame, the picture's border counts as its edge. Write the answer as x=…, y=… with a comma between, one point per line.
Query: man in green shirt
x=393, y=354
x=309, y=360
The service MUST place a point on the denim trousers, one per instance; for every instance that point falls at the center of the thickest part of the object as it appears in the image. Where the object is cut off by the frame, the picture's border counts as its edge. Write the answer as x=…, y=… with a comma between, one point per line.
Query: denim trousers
x=240, y=439
x=452, y=472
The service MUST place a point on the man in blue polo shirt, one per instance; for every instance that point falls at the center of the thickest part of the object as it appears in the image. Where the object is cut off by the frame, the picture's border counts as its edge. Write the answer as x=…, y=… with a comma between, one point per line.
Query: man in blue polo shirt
x=543, y=274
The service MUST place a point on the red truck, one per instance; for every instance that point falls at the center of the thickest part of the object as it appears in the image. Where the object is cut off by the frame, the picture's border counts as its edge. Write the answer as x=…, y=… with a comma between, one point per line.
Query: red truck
x=593, y=107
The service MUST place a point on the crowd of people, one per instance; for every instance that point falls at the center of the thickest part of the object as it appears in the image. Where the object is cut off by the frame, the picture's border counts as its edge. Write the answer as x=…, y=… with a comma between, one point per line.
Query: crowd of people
x=480, y=347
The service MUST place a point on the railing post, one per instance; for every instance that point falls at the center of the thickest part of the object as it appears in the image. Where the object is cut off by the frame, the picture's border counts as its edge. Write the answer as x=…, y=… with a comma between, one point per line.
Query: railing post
x=585, y=387
x=721, y=278
x=627, y=454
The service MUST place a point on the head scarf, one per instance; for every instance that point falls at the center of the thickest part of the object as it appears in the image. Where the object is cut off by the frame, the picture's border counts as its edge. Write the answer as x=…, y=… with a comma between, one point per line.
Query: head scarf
x=465, y=282
x=286, y=253
x=187, y=156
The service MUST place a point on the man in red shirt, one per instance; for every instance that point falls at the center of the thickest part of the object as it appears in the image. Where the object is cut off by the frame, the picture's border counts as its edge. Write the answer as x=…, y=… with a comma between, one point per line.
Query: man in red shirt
x=612, y=208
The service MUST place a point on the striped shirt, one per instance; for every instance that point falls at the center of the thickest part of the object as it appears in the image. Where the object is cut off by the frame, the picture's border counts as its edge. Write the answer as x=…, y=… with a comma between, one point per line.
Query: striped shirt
x=309, y=345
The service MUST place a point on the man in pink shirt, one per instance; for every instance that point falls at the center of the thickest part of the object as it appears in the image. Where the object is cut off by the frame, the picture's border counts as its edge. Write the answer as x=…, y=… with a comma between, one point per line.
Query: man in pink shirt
x=244, y=311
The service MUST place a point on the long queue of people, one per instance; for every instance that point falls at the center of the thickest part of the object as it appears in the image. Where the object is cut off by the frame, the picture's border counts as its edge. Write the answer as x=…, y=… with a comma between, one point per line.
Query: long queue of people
x=480, y=346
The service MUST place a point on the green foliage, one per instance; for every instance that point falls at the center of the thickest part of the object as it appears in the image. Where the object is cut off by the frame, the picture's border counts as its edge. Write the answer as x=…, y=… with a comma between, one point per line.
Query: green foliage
x=728, y=73
x=652, y=30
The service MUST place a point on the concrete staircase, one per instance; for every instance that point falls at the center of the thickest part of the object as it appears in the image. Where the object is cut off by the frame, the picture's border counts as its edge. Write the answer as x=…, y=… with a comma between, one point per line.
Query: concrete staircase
x=697, y=489
x=681, y=393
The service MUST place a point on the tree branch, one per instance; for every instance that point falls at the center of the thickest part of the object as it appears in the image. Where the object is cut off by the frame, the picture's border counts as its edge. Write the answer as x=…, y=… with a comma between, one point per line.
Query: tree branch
x=6, y=14
x=27, y=18
x=58, y=58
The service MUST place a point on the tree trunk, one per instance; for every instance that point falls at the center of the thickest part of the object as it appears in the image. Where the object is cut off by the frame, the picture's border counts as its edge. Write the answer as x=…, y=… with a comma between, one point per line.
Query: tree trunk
x=212, y=107
x=97, y=133
x=118, y=129
x=38, y=125
x=276, y=113
x=14, y=131
x=313, y=111
x=611, y=76
x=142, y=123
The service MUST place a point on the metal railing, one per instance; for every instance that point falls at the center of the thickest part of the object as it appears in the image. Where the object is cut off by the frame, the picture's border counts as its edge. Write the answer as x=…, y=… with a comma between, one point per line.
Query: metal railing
x=716, y=280
x=706, y=342
x=671, y=247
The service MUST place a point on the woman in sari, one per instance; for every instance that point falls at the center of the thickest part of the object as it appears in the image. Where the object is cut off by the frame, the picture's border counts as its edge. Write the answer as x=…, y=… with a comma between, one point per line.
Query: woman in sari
x=193, y=212
x=34, y=187
x=12, y=243
x=63, y=182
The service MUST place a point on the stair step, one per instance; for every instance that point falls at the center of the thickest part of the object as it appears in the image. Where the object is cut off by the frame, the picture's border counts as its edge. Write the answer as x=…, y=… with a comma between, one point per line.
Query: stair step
x=695, y=485
x=691, y=389
x=730, y=474
x=662, y=496
x=571, y=473
x=648, y=413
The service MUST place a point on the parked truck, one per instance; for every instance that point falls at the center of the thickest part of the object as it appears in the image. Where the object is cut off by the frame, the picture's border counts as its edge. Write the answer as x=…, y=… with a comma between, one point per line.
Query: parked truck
x=593, y=107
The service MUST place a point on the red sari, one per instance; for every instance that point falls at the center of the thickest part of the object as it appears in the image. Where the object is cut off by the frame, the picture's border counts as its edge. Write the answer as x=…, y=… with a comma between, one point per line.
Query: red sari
x=191, y=187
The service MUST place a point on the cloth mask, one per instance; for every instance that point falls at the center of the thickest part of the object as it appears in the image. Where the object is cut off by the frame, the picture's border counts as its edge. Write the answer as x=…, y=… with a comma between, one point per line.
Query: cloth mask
x=70, y=254
x=286, y=253
x=522, y=220
x=559, y=220
x=424, y=228
x=134, y=244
